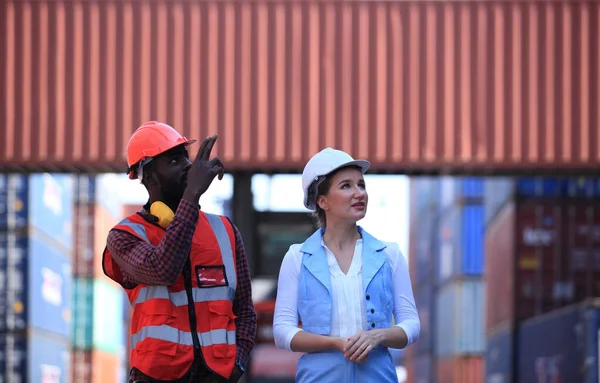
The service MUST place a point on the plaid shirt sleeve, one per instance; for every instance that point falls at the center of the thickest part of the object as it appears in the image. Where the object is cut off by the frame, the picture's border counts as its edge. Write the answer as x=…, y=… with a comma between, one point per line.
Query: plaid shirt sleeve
x=243, y=307
x=142, y=263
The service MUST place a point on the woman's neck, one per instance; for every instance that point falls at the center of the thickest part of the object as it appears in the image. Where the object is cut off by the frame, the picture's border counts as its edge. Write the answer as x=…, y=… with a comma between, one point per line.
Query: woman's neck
x=340, y=236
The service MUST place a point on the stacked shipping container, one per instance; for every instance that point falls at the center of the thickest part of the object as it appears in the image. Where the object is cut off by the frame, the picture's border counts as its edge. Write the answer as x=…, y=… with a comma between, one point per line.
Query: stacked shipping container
x=35, y=277
x=98, y=327
x=543, y=247
x=446, y=263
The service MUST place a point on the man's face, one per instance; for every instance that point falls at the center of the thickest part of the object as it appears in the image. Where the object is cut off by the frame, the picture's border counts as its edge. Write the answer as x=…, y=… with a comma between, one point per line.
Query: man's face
x=171, y=170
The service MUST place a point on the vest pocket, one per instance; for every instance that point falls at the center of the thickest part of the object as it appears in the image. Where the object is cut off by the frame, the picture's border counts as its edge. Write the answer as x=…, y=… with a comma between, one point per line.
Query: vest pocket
x=221, y=318
x=315, y=315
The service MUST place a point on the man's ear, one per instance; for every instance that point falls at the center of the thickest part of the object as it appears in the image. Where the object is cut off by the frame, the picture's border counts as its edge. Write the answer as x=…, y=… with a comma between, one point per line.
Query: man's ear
x=149, y=178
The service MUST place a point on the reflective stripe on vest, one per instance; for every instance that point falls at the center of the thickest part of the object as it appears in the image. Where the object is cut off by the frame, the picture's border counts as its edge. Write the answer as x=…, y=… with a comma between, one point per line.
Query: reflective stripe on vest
x=173, y=335
x=180, y=298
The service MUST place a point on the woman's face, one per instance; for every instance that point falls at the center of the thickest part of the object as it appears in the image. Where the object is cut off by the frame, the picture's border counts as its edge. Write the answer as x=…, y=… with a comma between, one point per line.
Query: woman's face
x=347, y=197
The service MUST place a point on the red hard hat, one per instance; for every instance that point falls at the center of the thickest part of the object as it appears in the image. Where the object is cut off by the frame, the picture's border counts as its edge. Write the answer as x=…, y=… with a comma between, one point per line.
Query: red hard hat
x=150, y=140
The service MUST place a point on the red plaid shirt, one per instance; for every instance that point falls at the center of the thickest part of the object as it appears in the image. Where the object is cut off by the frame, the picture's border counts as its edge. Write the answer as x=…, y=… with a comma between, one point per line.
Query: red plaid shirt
x=142, y=263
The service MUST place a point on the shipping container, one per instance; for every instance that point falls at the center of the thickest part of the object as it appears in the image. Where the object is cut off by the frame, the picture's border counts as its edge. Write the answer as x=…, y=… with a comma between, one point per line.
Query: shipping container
x=98, y=318
x=411, y=85
x=497, y=192
x=460, y=190
x=94, y=366
x=582, y=244
x=420, y=369
x=51, y=200
x=424, y=192
x=460, y=369
x=459, y=318
x=499, y=356
x=83, y=249
x=269, y=362
x=37, y=285
x=426, y=308
x=14, y=207
x=561, y=346
x=49, y=288
x=104, y=221
x=34, y=356
x=85, y=189
x=461, y=238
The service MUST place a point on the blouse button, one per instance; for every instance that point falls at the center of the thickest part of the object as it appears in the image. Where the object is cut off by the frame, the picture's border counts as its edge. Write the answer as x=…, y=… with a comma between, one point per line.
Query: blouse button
x=368, y=297
x=372, y=311
x=373, y=325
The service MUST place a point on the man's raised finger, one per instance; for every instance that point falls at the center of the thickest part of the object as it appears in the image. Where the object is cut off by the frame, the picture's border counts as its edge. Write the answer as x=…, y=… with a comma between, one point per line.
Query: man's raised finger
x=202, y=148
x=209, y=147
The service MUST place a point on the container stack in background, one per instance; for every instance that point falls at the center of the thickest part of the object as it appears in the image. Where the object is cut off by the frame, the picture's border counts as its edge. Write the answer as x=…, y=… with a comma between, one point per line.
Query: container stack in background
x=446, y=266
x=36, y=213
x=98, y=309
x=543, y=248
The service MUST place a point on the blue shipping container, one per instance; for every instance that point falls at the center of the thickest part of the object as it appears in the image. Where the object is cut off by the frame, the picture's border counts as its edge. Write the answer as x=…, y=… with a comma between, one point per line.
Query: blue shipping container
x=459, y=322
x=49, y=288
x=51, y=206
x=425, y=234
x=425, y=192
x=540, y=187
x=561, y=346
x=498, y=356
x=37, y=286
x=461, y=239
x=33, y=357
x=13, y=202
x=459, y=189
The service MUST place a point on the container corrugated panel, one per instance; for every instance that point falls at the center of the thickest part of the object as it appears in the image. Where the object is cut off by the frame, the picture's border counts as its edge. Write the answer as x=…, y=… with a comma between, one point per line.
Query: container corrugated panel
x=49, y=288
x=14, y=198
x=497, y=192
x=410, y=85
x=424, y=193
x=499, y=270
x=540, y=187
x=106, y=367
x=541, y=279
x=104, y=221
x=499, y=356
x=461, y=251
x=85, y=188
x=51, y=199
x=569, y=354
x=83, y=313
x=459, y=322
x=17, y=281
x=107, y=329
x=426, y=309
x=48, y=358
x=582, y=241
x=83, y=250
x=461, y=369
x=81, y=366
x=13, y=353
x=456, y=190
x=422, y=369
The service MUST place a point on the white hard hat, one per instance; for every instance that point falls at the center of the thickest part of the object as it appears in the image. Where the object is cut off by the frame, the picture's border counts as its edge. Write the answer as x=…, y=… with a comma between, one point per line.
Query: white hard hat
x=322, y=164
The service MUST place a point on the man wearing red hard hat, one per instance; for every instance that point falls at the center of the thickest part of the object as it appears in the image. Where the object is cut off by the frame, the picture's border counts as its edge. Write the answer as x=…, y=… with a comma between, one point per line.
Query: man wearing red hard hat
x=185, y=271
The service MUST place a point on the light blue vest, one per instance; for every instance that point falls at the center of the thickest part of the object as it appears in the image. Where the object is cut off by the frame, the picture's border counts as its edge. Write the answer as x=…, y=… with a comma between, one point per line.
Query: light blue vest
x=314, y=308
x=314, y=290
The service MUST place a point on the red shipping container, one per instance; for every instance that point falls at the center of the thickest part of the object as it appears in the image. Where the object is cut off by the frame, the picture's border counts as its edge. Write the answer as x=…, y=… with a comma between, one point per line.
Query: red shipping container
x=499, y=273
x=526, y=238
x=582, y=244
x=459, y=369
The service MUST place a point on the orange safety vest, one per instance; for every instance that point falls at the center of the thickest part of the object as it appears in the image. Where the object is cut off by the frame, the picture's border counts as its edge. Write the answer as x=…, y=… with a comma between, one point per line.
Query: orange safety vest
x=161, y=340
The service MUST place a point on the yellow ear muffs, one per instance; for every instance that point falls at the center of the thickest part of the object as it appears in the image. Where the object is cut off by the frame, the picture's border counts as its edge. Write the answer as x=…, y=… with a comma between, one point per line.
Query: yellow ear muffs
x=163, y=213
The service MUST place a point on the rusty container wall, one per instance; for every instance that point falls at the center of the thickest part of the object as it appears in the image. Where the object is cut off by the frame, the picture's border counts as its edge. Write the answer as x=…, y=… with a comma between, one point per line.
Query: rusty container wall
x=411, y=85
x=500, y=264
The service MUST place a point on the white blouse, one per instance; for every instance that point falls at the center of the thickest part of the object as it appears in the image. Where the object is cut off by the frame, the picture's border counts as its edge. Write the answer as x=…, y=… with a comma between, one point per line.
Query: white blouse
x=348, y=306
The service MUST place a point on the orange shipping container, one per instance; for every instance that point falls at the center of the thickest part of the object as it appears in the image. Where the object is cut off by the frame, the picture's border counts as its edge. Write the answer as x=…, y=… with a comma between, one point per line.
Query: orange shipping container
x=411, y=85
x=103, y=222
x=458, y=369
x=94, y=366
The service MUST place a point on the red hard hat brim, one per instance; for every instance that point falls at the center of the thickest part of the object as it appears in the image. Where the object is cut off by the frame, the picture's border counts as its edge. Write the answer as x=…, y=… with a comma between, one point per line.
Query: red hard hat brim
x=132, y=173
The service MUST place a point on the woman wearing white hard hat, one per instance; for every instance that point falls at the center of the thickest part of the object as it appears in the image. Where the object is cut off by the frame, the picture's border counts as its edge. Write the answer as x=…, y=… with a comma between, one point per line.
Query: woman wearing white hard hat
x=343, y=284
